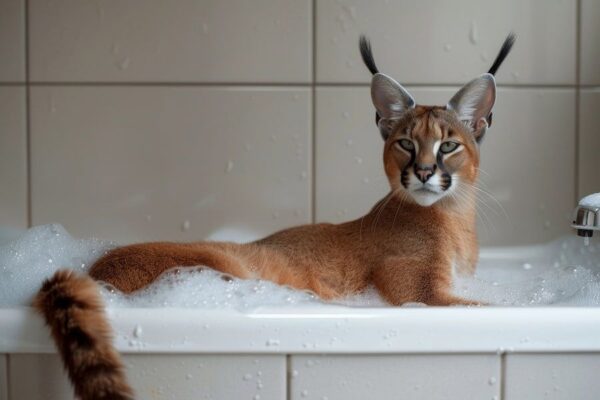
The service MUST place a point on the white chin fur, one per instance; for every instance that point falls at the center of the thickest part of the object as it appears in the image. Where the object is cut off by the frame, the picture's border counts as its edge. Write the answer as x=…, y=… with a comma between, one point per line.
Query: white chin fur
x=424, y=198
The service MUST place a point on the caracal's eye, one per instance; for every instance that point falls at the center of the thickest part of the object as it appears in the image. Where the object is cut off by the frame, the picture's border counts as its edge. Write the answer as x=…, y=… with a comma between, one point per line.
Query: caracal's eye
x=448, y=147
x=406, y=144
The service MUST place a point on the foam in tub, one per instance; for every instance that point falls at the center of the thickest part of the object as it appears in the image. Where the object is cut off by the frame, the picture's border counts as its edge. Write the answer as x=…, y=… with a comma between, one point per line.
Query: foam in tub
x=564, y=272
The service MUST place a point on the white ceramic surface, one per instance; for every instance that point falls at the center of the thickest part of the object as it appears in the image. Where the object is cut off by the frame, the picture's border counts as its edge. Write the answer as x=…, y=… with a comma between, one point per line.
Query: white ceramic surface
x=12, y=40
x=563, y=376
x=590, y=34
x=437, y=41
x=13, y=157
x=186, y=41
x=414, y=377
x=589, y=142
x=157, y=376
x=170, y=163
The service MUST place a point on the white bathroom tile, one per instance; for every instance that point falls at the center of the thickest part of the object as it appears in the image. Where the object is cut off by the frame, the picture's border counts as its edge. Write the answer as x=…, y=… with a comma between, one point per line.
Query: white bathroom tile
x=154, y=40
x=3, y=378
x=161, y=376
x=12, y=40
x=13, y=158
x=552, y=376
x=590, y=33
x=413, y=377
x=437, y=41
x=589, y=142
x=170, y=163
x=527, y=155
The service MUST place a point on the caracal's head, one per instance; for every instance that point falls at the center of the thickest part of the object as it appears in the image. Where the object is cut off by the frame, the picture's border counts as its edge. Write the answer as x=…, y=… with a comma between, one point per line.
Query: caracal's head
x=432, y=152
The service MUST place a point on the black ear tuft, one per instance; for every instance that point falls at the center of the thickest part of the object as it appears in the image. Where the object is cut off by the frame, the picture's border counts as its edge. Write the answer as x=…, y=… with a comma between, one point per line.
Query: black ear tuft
x=367, y=54
x=504, y=50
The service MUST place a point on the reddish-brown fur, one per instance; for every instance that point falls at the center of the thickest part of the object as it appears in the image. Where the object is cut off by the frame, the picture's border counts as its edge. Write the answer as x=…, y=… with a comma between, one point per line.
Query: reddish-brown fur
x=73, y=309
x=407, y=251
x=407, y=246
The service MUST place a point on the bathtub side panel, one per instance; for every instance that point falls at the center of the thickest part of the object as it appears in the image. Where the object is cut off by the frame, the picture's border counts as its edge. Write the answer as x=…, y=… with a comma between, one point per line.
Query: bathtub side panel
x=427, y=377
x=153, y=376
x=564, y=376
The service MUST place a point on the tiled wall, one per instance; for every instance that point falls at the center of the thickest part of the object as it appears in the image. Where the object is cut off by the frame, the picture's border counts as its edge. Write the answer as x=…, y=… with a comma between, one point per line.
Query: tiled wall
x=145, y=119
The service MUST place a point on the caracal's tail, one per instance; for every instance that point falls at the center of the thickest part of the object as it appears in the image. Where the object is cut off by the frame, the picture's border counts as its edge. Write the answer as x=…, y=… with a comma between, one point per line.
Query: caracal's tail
x=73, y=309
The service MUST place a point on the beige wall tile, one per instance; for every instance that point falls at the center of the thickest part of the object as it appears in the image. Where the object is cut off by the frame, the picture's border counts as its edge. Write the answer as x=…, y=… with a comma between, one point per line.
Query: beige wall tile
x=552, y=376
x=590, y=38
x=12, y=40
x=436, y=41
x=528, y=159
x=153, y=376
x=13, y=157
x=589, y=142
x=186, y=41
x=146, y=163
x=403, y=376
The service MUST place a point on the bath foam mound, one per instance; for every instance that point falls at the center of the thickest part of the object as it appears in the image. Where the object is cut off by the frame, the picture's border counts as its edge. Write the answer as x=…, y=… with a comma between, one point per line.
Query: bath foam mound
x=564, y=272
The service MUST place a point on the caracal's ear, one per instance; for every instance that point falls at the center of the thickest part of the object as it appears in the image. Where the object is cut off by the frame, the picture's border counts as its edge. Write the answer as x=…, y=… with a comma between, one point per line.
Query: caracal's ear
x=473, y=104
x=391, y=101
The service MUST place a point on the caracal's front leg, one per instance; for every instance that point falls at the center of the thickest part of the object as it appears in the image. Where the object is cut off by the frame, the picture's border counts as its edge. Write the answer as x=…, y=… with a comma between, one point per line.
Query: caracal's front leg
x=402, y=280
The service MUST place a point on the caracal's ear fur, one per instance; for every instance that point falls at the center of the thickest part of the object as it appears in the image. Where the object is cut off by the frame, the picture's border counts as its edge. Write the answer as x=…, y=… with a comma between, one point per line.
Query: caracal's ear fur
x=473, y=103
x=391, y=101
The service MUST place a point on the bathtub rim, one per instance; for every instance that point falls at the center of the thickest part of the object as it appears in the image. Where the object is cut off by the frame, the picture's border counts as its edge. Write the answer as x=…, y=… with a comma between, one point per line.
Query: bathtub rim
x=309, y=330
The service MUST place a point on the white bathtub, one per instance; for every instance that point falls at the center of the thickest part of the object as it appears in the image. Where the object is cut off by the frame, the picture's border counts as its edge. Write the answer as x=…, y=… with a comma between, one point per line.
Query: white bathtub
x=330, y=353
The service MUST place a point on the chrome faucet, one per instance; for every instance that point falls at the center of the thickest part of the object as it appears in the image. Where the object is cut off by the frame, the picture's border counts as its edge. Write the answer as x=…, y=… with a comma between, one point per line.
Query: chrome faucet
x=586, y=218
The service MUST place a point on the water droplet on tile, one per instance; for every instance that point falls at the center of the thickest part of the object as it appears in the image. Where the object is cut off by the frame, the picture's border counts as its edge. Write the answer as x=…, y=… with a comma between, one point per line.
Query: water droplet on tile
x=304, y=393
x=358, y=160
x=346, y=114
x=137, y=331
x=115, y=48
x=515, y=75
x=275, y=215
x=186, y=225
x=349, y=142
x=365, y=180
x=527, y=266
x=547, y=224
x=303, y=175
x=492, y=380
x=124, y=64
x=204, y=27
x=229, y=166
x=447, y=47
x=247, y=377
x=473, y=33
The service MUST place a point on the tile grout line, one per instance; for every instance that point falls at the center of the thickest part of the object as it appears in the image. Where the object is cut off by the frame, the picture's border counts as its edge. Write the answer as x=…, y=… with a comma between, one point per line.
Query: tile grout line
x=577, y=96
x=27, y=116
x=314, y=114
x=502, y=386
x=288, y=374
x=309, y=85
x=7, y=364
